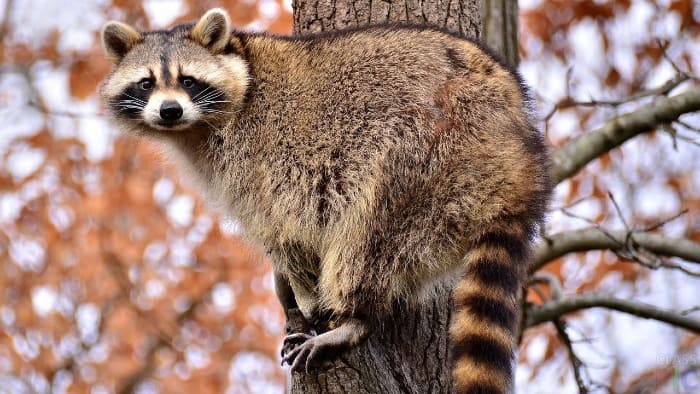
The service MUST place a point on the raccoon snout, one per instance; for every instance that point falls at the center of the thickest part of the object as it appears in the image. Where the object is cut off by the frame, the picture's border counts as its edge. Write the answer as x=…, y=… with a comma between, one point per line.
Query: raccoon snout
x=170, y=110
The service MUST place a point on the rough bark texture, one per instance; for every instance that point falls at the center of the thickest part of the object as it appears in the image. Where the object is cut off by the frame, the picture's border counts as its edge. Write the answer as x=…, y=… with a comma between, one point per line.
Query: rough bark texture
x=411, y=355
x=322, y=15
x=500, y=27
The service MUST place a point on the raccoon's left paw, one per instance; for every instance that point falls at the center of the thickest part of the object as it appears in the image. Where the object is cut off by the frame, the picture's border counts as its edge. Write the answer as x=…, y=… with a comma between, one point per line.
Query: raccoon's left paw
x=296, y=323
x=308, y=350
x=304, y=350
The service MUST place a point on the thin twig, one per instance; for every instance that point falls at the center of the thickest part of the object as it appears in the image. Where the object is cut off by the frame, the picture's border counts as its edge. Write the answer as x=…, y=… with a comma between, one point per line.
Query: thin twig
x=549, y=279
x=619, y=211
x=691, y=310
x=571, y=204
x=576, y=363
x=662, y=222
x=595, y=224
x=688, y=126
x=664, y=89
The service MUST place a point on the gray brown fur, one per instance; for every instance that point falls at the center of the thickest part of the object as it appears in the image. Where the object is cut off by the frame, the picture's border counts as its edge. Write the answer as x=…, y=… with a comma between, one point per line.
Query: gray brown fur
x=370, y=163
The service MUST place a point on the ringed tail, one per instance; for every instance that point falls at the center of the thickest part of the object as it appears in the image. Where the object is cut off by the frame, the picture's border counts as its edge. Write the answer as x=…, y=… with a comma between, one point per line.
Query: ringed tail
x=486, y=311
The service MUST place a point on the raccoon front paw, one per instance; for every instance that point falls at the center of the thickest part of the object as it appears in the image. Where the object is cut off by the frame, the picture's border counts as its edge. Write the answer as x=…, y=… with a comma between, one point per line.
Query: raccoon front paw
x=296, y=323
x=303, y=350
x=308, y=350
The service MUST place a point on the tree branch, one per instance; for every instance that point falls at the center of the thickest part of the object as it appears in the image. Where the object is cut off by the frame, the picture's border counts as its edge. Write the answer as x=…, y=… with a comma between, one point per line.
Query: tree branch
x=570, y=158
x=576, y=362
x=554, y=309
x=569, y=102
x=560, y=244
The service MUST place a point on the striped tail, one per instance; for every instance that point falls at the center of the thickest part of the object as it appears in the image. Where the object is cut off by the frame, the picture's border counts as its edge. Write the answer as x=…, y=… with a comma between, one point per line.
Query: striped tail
x=486, y=312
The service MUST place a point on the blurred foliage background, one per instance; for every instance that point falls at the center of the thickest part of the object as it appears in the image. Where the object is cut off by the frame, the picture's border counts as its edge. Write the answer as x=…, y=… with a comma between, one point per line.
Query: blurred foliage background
x=115, y=277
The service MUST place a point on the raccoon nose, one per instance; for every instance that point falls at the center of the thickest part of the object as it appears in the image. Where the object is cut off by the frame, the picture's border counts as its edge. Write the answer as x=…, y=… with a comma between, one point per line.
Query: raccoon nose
x=170, y=110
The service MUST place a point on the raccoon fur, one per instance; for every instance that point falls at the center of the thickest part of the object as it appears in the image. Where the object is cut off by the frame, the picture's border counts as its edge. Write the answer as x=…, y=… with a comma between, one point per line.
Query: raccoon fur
x=370, y=162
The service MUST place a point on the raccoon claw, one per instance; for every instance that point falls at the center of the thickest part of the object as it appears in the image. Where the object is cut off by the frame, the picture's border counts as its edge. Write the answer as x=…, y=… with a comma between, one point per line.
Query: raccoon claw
x=314, y=348
x=292, y=342
x=296, y=323
x=304, y=353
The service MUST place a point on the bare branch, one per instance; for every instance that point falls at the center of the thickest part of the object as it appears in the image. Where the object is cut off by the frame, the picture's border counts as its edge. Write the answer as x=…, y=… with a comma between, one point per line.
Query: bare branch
x=570, y=158
x=663, y=222
x=558, y=245
x=619, y=211
x=679, y=267
x=569, y=102
x=664, y=52
x=550, y=280
x=691, y=310
x=555, y=309
x=692, y=141
x=576, y=362
x=571, y=204
x=688, y=126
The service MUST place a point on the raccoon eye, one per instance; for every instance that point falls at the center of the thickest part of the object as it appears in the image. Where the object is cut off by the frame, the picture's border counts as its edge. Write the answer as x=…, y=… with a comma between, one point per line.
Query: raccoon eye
x=187, y=82
x=146, y=84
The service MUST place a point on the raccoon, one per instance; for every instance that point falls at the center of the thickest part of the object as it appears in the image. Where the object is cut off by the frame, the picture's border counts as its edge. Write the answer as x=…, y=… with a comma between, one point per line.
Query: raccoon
x=370, y=162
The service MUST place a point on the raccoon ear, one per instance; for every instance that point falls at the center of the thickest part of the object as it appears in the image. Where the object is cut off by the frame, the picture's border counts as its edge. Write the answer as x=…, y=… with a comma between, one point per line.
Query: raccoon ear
x=118, y=39
x=213, y=29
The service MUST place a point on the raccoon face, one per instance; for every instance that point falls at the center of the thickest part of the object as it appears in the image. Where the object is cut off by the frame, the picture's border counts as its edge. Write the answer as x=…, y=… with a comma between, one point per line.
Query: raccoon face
x=176, y=79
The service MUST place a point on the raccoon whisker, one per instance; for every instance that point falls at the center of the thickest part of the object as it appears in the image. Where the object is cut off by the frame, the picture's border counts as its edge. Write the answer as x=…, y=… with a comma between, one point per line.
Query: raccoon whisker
x=134, y=98
x=132, y=105
x=210, y=96
x=209, y=108
x=201, y=93
x=213, y=91
x=216, y=111
x=203, y=102
x=216, y=101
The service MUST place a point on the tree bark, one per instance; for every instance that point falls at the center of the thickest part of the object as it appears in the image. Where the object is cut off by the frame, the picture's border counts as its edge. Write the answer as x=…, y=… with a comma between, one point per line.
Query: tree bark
x=411, y=355
x=460, y=16
x=500, y=28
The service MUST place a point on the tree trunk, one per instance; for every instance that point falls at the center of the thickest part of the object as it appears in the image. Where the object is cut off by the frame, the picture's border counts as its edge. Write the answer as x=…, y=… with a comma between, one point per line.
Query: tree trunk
x=500, y=28
x=411, y=355
x=460, y=16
